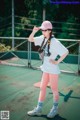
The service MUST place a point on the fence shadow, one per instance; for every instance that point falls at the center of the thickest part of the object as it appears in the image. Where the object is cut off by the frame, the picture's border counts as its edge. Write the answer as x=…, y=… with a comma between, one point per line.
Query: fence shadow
x=67, y=96
x=57, y=117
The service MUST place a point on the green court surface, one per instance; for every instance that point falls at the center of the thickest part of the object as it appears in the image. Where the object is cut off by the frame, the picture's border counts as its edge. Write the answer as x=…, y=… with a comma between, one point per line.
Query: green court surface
x=18, y=94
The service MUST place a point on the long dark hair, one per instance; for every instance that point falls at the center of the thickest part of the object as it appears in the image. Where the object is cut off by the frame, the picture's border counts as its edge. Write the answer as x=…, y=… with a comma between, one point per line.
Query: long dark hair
x=49, y=40
x=50, y=33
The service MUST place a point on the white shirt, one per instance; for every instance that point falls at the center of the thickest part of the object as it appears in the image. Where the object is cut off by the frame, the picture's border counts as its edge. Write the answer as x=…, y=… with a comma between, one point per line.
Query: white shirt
x=56, y=48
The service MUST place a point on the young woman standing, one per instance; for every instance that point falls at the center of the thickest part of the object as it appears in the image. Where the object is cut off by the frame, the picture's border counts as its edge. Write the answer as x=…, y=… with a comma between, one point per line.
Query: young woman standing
x=50, y=48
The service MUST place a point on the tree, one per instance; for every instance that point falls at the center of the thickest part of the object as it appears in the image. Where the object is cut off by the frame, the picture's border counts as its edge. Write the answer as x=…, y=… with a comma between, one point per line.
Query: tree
x=69, y=29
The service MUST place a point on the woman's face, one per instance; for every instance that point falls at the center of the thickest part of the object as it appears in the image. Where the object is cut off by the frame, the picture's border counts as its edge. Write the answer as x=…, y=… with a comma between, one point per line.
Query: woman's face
x=46, y=33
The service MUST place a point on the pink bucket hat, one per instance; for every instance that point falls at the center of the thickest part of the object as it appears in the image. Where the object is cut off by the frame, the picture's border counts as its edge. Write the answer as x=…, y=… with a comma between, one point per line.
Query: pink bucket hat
x=46, y=25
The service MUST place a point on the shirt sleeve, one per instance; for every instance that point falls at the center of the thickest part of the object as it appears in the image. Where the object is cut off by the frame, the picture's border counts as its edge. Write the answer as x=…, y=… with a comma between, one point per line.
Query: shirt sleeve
x=38, y=40
x=60, y=48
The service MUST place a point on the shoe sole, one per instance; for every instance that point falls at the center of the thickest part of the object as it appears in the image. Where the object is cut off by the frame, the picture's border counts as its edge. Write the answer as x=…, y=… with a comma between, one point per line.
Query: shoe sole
x=39, y=114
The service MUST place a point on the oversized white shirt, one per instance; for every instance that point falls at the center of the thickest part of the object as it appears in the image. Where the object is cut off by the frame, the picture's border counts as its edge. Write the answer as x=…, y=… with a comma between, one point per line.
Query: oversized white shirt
x=56, y=48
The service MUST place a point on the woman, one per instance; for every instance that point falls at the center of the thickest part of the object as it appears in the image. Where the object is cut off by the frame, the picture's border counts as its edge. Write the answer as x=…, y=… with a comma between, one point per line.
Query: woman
x=50, y=48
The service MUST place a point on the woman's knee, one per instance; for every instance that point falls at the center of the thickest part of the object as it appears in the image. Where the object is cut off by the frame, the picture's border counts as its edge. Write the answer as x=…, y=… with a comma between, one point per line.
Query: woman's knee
x=54, y=88
x=42, y=87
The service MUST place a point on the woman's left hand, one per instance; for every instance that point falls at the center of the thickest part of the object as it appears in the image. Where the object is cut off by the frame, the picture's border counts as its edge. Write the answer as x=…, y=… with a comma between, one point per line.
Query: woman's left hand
x=53, y=61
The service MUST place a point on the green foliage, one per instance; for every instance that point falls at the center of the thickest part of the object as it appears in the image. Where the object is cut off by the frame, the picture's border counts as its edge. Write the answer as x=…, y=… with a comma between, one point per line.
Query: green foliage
x=21, y=26
x=65, y=19
x=4, y=48
x=45, y=2
x=68, y=28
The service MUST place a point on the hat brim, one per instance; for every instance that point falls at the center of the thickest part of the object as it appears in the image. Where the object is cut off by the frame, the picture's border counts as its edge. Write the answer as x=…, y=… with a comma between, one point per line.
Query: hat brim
x=42, y=28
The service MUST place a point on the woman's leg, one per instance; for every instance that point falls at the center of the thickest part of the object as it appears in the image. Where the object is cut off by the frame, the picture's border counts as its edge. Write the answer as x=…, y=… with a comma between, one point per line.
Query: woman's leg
x=44, y=83
x=54, y=86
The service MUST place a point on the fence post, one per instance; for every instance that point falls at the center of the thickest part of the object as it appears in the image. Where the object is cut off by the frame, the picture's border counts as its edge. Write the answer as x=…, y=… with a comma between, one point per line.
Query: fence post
x=13, y=24
x=79, y=59
x=29, y=54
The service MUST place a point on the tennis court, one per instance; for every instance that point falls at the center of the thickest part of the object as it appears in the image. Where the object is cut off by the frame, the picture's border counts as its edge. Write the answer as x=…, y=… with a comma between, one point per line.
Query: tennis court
x=18, y=94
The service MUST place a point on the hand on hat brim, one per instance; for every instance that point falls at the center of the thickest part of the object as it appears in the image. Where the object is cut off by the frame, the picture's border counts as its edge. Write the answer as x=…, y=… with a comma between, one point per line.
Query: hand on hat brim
x=41, y=28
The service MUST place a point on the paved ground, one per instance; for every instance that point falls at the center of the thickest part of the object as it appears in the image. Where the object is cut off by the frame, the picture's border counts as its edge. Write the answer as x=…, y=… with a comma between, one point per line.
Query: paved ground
x=18, y=94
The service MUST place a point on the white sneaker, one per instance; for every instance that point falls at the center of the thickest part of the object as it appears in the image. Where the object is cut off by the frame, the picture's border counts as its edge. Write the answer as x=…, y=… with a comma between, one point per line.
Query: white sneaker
x=35, y=111
x=53, y=112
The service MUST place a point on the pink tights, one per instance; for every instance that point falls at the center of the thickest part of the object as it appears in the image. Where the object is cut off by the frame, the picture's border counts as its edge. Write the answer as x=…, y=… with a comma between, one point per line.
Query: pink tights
x=52, y=79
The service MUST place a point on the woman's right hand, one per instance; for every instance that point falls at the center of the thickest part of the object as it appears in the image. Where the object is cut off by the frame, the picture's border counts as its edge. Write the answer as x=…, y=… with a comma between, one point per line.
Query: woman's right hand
x=35, y=29
x=31, y=37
